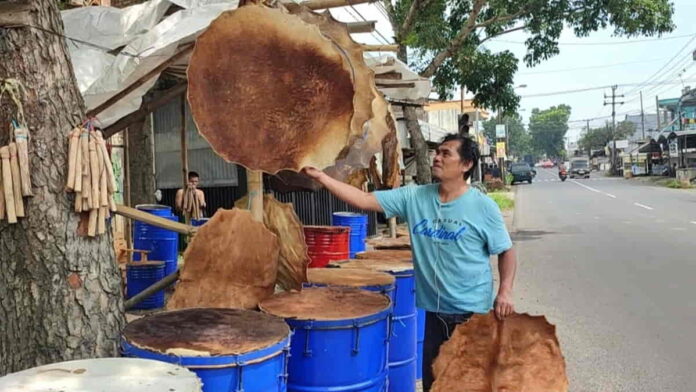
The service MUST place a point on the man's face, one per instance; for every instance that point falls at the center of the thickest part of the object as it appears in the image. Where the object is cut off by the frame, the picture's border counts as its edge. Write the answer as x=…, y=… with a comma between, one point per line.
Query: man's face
x=193, y=182
x=447, y=164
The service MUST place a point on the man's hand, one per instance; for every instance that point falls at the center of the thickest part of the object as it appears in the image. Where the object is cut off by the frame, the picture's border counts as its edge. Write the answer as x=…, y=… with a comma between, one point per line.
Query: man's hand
x=503, y=305
x=312, y=172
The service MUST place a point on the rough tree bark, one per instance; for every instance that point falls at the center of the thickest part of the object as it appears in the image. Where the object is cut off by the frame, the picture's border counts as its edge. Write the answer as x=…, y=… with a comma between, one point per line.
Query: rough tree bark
x=60, y=294
x=141, y=142
x=423, y=172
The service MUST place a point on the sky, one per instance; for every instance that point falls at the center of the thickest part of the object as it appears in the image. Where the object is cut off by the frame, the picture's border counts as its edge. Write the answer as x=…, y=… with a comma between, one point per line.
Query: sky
x=635, y=64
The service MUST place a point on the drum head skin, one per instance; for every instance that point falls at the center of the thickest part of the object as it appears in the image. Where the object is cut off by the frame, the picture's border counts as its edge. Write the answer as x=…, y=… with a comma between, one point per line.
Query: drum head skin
x=325, y=303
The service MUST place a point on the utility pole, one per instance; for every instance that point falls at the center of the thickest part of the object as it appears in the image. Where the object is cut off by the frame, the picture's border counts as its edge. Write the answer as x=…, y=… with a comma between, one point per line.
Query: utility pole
x=642, y=115
x=657, y=109
x=613, y=104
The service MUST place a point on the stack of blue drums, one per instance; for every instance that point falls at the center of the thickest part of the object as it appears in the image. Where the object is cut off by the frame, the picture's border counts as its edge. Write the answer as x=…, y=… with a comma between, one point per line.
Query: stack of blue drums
x=404, y=330
x=340, y=338
x=162, y=244
x=228, y=349
x=358, y=229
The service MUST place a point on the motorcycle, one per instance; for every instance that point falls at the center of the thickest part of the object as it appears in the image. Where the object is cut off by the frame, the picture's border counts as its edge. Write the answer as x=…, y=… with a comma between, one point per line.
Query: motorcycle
x=562, y=174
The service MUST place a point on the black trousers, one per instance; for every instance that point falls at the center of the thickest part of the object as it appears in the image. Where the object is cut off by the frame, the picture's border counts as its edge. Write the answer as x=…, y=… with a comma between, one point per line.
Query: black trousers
x=438, y=329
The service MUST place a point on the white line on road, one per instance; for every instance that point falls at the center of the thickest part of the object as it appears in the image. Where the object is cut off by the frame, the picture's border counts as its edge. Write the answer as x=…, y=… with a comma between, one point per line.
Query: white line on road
x=642, y=206
x=694, y=222
x=610, y=195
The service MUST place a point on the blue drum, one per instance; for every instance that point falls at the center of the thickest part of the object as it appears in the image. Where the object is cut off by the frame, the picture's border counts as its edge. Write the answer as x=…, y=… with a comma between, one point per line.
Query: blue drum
x=380, y=282
x=199, y=221
x=228, y=349
x=358, y=229
x=340, y=338
x=421, y=337
x=403, y=342
x=162, y=244
x=141, y=275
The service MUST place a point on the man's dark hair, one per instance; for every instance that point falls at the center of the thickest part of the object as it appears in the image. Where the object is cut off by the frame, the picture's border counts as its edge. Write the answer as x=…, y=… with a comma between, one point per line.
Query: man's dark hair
x=193, y=174
x=468, y=150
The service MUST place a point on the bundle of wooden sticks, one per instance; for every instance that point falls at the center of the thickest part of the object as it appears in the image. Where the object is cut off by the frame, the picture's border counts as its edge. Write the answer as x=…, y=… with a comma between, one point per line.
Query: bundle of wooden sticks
x=91, y=177
x=16, y=180
x=191, y=204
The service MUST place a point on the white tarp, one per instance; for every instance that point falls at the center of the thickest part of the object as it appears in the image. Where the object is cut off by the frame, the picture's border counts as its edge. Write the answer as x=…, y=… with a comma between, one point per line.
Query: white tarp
x=147, y=41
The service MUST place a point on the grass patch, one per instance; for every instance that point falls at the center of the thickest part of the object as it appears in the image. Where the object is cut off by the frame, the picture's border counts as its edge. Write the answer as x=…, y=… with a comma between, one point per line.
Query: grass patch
x=674, y=184
x=503, y=200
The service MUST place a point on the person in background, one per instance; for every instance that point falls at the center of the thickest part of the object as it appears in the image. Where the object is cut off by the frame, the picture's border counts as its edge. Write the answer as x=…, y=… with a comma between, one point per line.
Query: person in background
x=455, y=228
x=193, y=181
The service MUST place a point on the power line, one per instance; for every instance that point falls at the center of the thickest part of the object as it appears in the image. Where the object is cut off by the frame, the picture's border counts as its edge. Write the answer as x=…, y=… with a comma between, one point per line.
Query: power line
x=547, y=94
x=657, y=73
x=589, y=67
x=610, y=43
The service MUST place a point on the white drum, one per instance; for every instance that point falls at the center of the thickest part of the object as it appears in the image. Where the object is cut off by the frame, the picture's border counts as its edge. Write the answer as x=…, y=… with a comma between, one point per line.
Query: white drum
x=103, y=375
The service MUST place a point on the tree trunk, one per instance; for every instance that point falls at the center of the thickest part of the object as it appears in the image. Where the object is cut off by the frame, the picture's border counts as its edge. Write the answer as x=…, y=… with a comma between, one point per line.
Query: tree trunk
x=141, y=162
x=423, y=172
x=60, y=295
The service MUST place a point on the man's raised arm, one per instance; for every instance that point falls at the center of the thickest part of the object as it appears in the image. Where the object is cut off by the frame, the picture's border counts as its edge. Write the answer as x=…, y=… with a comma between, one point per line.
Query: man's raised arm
x=348, y=193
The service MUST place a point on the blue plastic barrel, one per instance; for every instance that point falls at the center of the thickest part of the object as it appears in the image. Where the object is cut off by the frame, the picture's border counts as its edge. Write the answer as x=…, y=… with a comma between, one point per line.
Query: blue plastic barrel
x=199, y=222
x=240, y=350
x=358, y=229
x=141, y=275
x=402, y=352
x=162, y=244
x=421, y=337
x=340, y=338
x=379, y=282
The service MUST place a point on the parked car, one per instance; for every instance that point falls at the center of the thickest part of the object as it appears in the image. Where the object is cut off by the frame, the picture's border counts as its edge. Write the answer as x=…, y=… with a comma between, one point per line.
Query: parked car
x=521, y=172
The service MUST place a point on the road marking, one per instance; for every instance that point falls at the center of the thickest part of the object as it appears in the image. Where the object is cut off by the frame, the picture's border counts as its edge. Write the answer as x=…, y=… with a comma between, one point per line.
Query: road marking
x=642, y=206
x=587, y=187
x=610, y=195
x=694, y=222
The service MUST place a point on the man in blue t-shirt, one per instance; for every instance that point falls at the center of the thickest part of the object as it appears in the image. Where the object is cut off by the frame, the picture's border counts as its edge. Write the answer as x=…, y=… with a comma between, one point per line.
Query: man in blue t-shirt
x=454, y=230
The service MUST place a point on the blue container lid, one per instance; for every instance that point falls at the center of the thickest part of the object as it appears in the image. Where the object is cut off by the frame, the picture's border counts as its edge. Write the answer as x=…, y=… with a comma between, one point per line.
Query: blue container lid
x=208, y=331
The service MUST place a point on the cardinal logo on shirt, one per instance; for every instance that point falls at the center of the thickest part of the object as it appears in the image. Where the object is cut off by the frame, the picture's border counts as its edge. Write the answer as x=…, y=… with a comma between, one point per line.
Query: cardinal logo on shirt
x=423, y=228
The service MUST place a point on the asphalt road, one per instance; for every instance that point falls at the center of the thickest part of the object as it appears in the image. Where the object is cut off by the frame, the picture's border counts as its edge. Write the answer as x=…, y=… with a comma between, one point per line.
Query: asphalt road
x=612, y=263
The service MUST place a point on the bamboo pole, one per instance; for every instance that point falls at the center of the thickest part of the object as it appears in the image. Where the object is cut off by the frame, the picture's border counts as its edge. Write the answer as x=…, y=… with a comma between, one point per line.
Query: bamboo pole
x=155, y=287
x=7, y=185
x=380, y=48
x=2, y=195
x=86, y=180
x=16, y=182
x=153, y=220
x=110, y=180
x=22, y=139
x=321, y=4
x=94, y=170
x=361, y=27
x=77, y=181
x=72, y=157
x=92, y=224
x=255, y=190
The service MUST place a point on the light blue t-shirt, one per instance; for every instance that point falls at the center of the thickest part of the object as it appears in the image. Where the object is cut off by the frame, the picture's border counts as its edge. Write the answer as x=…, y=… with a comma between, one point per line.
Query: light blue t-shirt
x=451, y=243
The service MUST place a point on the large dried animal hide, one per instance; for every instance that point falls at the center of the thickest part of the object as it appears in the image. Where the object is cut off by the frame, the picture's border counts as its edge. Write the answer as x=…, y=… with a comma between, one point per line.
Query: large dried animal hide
x=270, y=92
x=281, y=219
x=232, y=262
x=519, y=354
x=373, y=128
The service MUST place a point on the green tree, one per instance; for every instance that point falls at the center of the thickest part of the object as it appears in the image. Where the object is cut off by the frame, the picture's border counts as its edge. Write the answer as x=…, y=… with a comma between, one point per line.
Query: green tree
x=597, y=138
x=445, y=37
x=518, y=137
x=547, y=129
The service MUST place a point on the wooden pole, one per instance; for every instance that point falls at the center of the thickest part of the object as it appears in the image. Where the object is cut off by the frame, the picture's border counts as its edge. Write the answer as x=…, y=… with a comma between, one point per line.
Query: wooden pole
x=142, y=80
x=184, y=142
x=380, y=48
x=321, y=4
x=7, y=185
x=361, y=27
x=157, y=286
x=392, y=227
x=255, y=190
x=150, y=219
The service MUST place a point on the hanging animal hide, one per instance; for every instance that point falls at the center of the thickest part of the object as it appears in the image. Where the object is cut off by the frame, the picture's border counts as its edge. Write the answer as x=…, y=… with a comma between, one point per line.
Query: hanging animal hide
x=386, y=254
x=232, y=262
x=520, y=353
x=281, y=219
x=270, y=92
